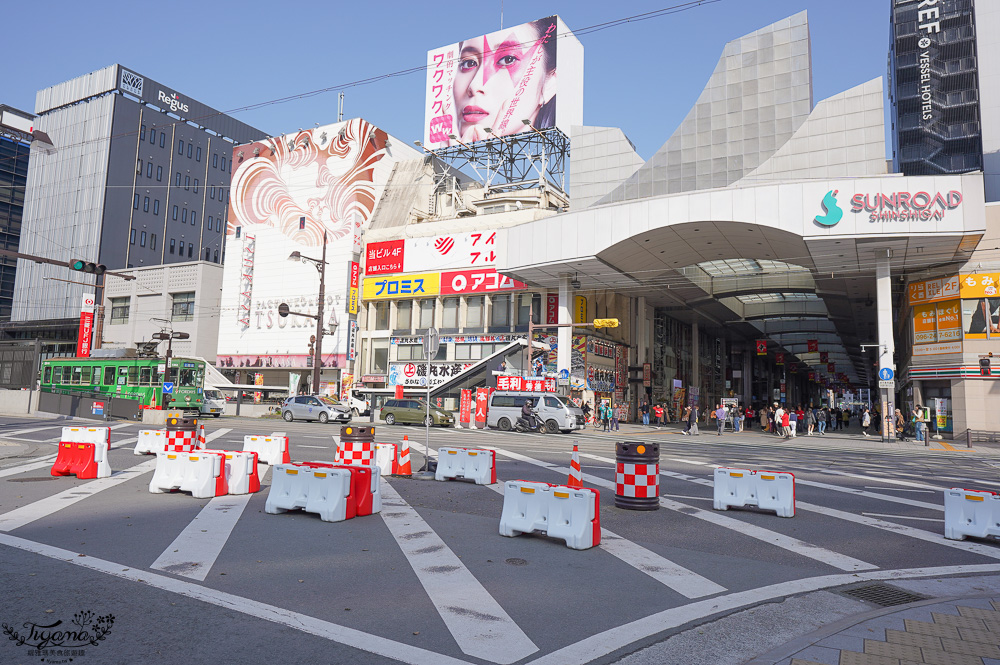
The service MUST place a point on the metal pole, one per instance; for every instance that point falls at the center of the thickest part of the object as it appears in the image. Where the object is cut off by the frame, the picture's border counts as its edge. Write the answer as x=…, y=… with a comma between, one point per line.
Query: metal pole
x=318, y=348
x=166, y=367
x=427, y=427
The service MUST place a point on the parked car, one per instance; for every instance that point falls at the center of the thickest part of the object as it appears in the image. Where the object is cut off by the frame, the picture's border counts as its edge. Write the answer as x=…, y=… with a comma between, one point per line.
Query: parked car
x=414, y=411
x=558, y=415
x=213, y=403
x=315, y=407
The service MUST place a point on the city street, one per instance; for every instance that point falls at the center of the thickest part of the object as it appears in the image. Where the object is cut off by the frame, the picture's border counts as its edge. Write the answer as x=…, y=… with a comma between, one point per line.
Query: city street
x=429, y=580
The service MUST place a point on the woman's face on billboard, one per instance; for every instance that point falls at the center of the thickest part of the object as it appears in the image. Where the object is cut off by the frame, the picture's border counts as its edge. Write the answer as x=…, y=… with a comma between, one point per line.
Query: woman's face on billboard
x=502, y=79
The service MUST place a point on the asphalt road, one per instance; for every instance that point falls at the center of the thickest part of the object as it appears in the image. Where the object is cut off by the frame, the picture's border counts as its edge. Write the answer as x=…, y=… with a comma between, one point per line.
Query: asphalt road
x=198, y=580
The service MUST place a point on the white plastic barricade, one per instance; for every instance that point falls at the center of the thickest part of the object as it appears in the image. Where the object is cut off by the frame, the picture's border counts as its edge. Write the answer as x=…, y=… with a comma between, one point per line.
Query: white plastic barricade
x=973, y=513
x=768, y=490
x=241, y=470
x=386, y=458
x=150, y=442
x=201, y=473
x=559, y=511
x=84, y=460
x=270, y=449
x=478, y=464
x=323, y=491
x=87, y=435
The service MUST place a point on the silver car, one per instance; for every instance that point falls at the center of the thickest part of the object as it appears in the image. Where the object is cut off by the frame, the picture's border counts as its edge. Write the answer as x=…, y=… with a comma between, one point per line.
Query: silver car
x=315, y=407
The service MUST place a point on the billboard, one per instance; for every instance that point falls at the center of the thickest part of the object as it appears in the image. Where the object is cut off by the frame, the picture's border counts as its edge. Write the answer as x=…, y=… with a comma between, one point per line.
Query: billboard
x=288, y=194
x=532, y=71
x=443, y=252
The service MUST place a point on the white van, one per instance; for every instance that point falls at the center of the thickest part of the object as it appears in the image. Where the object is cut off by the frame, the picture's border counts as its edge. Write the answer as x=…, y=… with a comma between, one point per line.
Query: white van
x=213, y=403
x=554, y=410
x=360, y=403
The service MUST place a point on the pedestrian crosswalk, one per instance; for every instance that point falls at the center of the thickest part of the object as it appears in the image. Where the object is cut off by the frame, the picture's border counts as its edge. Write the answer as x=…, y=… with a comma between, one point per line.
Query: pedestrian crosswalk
x=477, y=609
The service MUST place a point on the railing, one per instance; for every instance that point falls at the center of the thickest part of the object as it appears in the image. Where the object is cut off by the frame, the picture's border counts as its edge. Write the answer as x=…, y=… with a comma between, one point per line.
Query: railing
x=980, y=436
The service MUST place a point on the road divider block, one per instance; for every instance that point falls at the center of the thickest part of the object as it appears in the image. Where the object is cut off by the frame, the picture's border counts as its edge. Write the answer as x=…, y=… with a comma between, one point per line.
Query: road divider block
x=83, y=460
x=559, y=511
x=270, y=450
x=973, y=513
x=355, y=452
x=181, y=441
x=366, y=495
x=314, y=488
x=387, y=458
x=477, y=464
x=768, y=490
x=202, y=473
x=150, y=442
x=241, y=470
x=87, y=435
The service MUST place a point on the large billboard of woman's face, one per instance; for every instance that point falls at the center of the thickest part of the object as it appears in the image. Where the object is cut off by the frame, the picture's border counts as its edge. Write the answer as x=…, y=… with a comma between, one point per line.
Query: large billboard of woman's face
x=498, y=81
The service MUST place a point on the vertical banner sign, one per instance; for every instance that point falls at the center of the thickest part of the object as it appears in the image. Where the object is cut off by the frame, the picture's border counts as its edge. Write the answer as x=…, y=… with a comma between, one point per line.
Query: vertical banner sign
x=831, y=367
x=779, y=358
x=465, y=407
x=346, y=383
x=482, y=396
x=355, y=282
x=761, y=347
x=352, y=340
x=580, y=310
x=552, y=309
x=824, y=357
x=647, y=375
x=812, y=376
x=258, y=380
x=813, y=345
x=83, y=338
x=399, y=391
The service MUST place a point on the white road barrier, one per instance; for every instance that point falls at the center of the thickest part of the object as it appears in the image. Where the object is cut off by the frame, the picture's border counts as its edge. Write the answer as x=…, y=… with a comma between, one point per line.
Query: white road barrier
x=150, y=442
x=559, y=511
x=478, y=464
x=323, y=491
x=270, y=449
x=87, y=435
x=973, y=513
x=241, y=470
x=768, y=490
x=201, y=473
x=386, y=458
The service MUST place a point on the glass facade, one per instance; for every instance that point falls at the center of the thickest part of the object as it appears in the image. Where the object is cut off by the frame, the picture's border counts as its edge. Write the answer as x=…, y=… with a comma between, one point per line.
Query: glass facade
x=934, y=88
x=13, y=179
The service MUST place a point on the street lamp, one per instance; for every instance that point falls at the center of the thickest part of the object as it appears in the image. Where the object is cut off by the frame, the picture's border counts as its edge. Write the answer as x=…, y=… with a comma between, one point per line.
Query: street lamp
x=170, y=337
x=283, y=311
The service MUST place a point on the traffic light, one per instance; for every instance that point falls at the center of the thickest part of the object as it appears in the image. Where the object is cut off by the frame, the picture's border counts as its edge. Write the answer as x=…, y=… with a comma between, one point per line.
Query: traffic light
x=86, y=266
x=605, y=323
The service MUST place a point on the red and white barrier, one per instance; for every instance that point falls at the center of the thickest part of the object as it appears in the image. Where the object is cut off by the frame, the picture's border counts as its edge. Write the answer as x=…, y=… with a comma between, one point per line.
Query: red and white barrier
x=768, y=490
x=324, y=491
x=83, y=460
x=356, y=452
x=87, y=435
x=405, y=468
x=241, y=471
x=387, y=458
x=365, y=494
x=202, y=473
x=639, y=481
x=477, y=464
x=150, y=442
x=181, y=441
x=559, y=511
x=270, y=450
x=973, y=513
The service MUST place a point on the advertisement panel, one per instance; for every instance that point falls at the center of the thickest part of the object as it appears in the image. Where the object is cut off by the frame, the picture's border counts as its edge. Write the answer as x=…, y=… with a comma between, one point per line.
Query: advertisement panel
x=431, y=254
x=552, y=308
x=761, y=347
x=414, y=375
x=482, y=404
x=352, y=340
x=488, y=280
x=465, y=406
x=500, y=79
x=401, y=286
x=86, y=332
x=580, y=309
x=932, y=290
x=511, y=382
x=384, y=258
x=354, y=277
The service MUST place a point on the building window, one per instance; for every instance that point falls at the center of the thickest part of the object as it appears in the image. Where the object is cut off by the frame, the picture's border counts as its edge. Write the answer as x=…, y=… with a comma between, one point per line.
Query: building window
x=208, y=253
x=172, y=244
x=380, y=356
x=152, y=136
x=215, y=161
x=180, y=248
x=163, y=136
x=197, y=155
x=184, y=216
x=149, y=169
x=142, y=133
x=474, y=312
x=410, y=352
x=138, y=167
x=135, y=202
x=211, y=192
x=175, y=212
x=223, y=163
x=177, y=179
x=195, y=185
x=500, y=314
x=119, y=310
x=426, y=314
x=190, y=250
x=450, y=314
x=404, y=315
x=131, y=237
x=381, y=316
x=529, y=303
x=194, y=218
x=183, y=309
x=469, y=351
x=216, y=259
x=156, y=206
x=142, y=239
x=145, y=204
x=209, y=222
x=180, y=146
x=189, y=150
x=152, y=241
x=187, y=182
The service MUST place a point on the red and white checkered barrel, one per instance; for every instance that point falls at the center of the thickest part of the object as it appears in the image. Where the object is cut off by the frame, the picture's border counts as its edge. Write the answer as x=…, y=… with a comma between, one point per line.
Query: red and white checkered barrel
x=637, y=482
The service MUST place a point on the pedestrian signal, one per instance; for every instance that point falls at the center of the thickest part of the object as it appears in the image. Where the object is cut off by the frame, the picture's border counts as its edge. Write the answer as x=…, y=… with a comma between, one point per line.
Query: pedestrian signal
x=605, y=323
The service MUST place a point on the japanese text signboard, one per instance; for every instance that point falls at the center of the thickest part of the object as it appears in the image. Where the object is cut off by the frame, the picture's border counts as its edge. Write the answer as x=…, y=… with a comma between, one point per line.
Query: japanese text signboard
x=509, y=382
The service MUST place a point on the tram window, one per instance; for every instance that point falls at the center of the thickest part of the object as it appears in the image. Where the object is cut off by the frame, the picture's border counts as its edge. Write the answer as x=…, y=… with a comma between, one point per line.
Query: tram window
x=85, y=376
x=133, y=376
x=185, y=377
x=144, y=375
x=57, y=374
x=109, y=375
x=47, y=375
x=77, y=375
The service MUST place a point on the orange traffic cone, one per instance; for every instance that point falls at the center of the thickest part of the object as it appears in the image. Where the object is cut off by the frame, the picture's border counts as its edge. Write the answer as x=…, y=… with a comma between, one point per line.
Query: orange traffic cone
x=404, y=458
x=201, y=437
x=575, y=475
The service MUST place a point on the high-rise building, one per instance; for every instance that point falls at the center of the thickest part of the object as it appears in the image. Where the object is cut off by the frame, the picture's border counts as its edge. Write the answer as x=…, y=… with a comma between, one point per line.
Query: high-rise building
x=15, y=141
x=138, y=175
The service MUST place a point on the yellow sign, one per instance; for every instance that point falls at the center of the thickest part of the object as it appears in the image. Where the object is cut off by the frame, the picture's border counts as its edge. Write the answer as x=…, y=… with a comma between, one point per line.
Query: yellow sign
x=949, y=321
x=933, y=290
x=982, y=285
x=386, y=287
x=352, y=301
x=580, y=310
x=924, y=324
x=605, y=323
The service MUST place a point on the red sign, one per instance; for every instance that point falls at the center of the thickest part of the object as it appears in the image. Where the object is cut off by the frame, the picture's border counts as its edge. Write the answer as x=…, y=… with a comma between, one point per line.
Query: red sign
x=355, y=275
x=647, y=375
x=824, y=357
x=399, y=392
x=552, y=308
x=812, y=376
x=779, y=358
x=505, y=382
x=373, y=378
x=831, y=367
x=761, y=347
x=83, y=337
x=486, y=280
x=482, y=399
x=409, y=369
x=465, y=407
x=382, y=258
x=813, y=345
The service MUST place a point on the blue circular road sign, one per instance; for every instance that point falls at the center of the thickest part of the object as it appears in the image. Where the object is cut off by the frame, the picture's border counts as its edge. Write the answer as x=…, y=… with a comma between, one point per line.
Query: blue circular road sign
x=886, y=374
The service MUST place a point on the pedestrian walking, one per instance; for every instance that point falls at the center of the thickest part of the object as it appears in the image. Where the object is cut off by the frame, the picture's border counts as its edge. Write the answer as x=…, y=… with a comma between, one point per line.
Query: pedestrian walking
x=899, y=422
x=686, y=419
x=866, y=421
x=737, y=418
x=586, y=412
x=645, y=412
x=693, y=421
x=764, y=419
x=615, y=413
x=921, y=424
x=658, y=412
x=810, y=421
x=793, y=422
x=720, y=417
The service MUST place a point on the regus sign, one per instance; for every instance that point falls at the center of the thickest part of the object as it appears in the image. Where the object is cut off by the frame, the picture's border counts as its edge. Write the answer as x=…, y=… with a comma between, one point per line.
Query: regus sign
x=172, y=102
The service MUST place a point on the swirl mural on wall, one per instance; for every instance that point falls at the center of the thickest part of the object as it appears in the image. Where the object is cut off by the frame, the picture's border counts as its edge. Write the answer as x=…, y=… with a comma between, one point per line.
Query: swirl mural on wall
x=323, y=175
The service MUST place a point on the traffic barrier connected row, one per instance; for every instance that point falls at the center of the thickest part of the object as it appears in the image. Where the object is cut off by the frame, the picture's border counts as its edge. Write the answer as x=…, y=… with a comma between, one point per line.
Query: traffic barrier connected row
x=559, y=511
x=270, y=450
x=241, y=471
x=768, y=490
x=477, y=464
x=83, y=460
x=202, y=473
x=387, y=458
x=973, y=513
x=150, y=442
x=333, y=491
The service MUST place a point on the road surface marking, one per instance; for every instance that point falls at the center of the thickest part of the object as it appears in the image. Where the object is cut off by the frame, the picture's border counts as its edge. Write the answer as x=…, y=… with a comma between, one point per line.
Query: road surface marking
x=19, y=432
x=351, y=637
x=900, y=489
x=689, y=498
x=829, y=557
x=671, y=575
x=890, y=481
x=480, y=626
x=40, y=463
x=196, y=548
x=302, y=445
x=905, y=517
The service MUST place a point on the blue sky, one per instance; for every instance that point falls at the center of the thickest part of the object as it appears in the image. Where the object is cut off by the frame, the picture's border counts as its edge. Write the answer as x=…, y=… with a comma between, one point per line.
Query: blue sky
x=642, y=76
